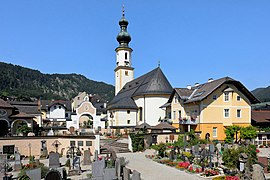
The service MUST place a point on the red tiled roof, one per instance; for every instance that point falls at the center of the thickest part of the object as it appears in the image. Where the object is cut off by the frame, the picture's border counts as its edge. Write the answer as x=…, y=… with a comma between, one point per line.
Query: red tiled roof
x=260, y=116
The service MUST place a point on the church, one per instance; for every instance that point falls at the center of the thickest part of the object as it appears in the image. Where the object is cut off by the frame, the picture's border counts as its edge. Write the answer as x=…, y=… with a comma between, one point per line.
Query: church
x=138, y=100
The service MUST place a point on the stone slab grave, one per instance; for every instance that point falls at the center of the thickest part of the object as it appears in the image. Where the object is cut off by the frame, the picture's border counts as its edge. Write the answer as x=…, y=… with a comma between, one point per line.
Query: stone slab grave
x=34, y=173
x=257, y=173
x=98, y=169
x=226, y=146
x=109, y=174
x=3, y=160
x=196, y=150
x=126, y=173
x=218, y=147
x=86, y=157
x=54, y=160
x=17, y=163
x=53, y=175
x=136, y=175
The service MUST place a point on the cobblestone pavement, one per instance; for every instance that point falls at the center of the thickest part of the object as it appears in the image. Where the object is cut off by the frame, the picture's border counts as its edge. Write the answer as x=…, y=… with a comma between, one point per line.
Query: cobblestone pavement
x=151, y=170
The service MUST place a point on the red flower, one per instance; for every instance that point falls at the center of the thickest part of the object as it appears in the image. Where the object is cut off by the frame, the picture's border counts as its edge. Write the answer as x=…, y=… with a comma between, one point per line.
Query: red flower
x=257, y=150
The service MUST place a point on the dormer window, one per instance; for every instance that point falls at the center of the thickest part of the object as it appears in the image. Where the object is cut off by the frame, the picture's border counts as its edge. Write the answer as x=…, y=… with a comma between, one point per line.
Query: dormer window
x=226, y=96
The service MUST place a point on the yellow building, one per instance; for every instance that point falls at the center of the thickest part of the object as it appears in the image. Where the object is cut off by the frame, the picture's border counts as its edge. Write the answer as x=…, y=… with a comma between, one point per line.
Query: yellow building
x=209, y=108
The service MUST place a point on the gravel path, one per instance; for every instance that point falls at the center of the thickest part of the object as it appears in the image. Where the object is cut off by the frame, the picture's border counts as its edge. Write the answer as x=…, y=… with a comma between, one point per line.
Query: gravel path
x=151, y=170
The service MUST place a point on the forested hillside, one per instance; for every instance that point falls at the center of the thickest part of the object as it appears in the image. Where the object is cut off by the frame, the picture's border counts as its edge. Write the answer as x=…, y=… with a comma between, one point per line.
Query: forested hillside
x=24, y=82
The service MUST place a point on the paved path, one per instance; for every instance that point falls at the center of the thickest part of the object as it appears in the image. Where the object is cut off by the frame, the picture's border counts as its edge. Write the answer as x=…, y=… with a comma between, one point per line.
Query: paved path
x=151, y=170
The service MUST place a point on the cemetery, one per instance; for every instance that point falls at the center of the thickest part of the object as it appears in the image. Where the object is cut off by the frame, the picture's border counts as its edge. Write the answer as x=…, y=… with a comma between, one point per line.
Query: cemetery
x=211, y=159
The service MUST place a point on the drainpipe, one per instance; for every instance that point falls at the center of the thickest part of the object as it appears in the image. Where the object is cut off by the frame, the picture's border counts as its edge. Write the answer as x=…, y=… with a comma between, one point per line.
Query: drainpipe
x=144, y=108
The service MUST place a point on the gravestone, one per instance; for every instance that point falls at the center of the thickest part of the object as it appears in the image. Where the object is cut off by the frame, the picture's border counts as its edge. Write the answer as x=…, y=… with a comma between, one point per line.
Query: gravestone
x=17, y=163
x=96, y=155
x=257, y=173
x=76, y=163
x=136, y=175
x=226, y=146
x=109, y=174
x=44, y=150
x=86, y=157
x=1, y=150
x=202, y=146
x=98, y=169
x=212, y=148
x=54, y=160
x=3, y=160
x=196, y=150
x=126, y=173
x=118, y=168
x=172, y=155
x=218, y=147
x=34, y=173
x=53, y=175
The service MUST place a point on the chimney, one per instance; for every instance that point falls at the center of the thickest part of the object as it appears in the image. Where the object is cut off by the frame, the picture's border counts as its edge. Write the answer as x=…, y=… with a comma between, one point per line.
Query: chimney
x=210, y=80
x=188, y=86
x=196, y=84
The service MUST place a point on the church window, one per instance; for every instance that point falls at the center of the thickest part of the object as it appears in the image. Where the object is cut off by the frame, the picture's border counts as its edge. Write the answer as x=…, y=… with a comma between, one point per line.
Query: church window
x=128, y=121
x=140, y=113
x=126, y=55
x=126, y=73
x=128, y=111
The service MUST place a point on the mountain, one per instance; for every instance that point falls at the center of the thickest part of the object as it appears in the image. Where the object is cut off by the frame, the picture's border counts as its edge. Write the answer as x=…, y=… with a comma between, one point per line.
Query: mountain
x=263, y=94
x=24, y=82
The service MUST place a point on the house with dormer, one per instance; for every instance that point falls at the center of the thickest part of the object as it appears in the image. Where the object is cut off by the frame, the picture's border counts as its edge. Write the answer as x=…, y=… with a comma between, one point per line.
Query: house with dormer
x=210, y=107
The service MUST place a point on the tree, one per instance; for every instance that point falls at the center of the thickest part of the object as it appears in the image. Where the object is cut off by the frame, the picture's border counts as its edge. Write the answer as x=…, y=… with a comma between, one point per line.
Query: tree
x=24, y=130
x=231, y=133
x=248, y=132
x=230, y=157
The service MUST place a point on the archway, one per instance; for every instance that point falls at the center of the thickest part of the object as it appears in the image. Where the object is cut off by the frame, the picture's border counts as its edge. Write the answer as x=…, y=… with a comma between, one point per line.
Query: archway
x=207, y=136
x=16, y=124
x=86, y=121
x=4, y=125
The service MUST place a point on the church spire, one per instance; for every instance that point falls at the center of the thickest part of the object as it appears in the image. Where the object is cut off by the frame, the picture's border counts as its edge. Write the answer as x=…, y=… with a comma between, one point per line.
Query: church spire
x=123, y=37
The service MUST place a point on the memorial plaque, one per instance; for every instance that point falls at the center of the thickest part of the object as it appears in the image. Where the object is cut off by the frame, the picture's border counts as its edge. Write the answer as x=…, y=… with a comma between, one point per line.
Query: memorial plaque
x=8, y=149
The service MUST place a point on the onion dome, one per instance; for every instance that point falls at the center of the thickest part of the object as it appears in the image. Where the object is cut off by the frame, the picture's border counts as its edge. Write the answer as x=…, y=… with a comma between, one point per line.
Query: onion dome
x=123, y=37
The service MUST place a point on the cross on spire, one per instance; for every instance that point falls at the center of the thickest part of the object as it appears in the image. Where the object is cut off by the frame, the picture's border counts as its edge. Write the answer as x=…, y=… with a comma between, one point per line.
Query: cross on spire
x=123, y=9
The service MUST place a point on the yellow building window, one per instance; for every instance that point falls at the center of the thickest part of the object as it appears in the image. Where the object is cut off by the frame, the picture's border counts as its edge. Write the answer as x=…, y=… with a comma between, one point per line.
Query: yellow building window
x=226, y=113
x=238, y=98
x=226, y=96
x=214, y=131
x=239, y=113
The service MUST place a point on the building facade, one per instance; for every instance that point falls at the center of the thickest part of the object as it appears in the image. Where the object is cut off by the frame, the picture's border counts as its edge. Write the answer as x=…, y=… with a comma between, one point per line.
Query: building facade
x=209, y=108
x=137, y=100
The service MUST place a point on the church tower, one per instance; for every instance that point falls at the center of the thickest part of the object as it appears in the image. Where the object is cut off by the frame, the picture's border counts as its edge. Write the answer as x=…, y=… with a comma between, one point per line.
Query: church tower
x=124, y=72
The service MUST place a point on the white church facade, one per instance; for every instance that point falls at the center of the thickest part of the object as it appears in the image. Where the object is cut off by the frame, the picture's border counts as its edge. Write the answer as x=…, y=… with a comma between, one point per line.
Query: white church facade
x=137, y=100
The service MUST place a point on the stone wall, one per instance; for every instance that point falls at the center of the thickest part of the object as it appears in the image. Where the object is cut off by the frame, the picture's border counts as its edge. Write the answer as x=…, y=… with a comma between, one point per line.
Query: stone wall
x=86, y=142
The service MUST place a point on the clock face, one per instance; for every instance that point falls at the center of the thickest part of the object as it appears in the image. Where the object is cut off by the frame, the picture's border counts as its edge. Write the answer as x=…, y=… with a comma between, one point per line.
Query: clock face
x=3, y=112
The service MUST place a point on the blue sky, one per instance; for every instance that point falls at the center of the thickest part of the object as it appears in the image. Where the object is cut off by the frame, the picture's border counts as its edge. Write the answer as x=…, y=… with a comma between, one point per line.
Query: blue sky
x=193, y=39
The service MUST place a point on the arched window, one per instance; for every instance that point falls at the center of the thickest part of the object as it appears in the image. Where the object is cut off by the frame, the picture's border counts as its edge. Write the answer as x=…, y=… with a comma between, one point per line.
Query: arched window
x=126, y=55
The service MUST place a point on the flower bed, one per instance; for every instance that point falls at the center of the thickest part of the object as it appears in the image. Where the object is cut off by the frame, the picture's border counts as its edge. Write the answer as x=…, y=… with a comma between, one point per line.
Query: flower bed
x=210, y=172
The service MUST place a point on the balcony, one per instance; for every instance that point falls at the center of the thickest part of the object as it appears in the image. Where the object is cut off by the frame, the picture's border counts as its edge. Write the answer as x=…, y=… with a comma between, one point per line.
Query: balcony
x=189, y=120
